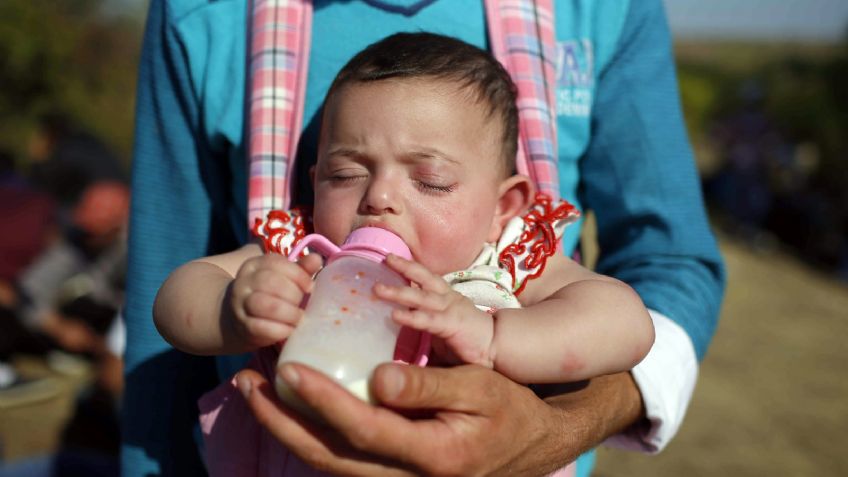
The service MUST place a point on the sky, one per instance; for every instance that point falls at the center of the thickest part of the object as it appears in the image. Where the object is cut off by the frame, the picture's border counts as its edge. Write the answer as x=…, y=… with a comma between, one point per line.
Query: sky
x=817, y=20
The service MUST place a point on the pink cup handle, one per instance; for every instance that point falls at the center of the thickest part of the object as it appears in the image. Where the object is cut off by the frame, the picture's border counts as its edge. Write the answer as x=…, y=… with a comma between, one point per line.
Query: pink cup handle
x=316, y=242
x=413, y=347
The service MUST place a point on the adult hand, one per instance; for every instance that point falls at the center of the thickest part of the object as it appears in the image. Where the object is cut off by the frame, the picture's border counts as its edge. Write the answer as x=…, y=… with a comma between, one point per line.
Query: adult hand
x=481, y=422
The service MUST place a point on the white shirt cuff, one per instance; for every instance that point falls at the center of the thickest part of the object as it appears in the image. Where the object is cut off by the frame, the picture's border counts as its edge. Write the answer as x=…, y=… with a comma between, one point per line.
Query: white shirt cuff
x=666, y=379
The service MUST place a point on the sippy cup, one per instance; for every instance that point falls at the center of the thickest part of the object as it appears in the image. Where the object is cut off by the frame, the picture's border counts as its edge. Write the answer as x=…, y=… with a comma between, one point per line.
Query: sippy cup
x=346, y=331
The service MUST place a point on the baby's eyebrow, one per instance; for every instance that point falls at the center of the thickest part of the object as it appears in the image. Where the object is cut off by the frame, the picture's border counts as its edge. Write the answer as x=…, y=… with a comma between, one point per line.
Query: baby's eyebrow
x=344, y=151
x=429, y=154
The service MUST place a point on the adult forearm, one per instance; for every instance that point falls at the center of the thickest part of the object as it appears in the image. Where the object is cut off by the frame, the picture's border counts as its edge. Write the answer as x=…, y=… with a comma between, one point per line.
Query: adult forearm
x=605, y=406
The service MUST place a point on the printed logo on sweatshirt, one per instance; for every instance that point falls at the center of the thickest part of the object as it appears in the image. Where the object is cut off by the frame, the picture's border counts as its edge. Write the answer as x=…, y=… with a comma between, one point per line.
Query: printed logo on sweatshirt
x=575, y=74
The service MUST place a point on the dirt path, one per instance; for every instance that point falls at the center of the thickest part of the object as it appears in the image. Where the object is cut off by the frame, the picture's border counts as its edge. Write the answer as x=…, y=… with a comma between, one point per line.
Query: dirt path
x=772, y=398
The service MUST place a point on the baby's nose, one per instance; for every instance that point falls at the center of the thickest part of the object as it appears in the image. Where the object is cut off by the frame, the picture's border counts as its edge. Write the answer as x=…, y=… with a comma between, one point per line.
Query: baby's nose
x=382, y=197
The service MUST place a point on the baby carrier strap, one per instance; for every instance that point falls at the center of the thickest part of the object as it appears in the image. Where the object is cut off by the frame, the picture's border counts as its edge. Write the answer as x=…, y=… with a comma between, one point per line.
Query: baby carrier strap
x=521, y=37
x=279, y=36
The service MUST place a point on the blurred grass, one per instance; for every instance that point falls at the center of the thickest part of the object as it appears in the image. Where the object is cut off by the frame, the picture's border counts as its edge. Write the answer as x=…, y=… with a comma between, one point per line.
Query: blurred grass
x=772, y=398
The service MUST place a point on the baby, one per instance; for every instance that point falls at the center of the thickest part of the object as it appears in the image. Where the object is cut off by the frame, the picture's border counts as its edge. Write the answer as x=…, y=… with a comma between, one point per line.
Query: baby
x=419, y=136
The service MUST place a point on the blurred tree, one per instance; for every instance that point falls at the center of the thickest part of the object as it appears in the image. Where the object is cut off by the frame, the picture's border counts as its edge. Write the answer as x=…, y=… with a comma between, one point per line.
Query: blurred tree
x=67, y=56
x=800, y=92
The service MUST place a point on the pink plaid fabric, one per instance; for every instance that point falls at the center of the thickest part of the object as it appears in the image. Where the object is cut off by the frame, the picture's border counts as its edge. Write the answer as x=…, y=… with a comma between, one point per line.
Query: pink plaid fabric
x=522, y=38
x=279, y=39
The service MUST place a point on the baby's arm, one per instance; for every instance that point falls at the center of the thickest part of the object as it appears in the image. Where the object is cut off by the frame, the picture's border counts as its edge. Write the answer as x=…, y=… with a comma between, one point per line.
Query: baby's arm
x=575, y=325
x=232, y=303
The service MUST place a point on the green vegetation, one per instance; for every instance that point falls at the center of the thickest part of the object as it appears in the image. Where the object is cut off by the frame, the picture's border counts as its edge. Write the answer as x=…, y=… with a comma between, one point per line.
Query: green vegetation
x=67, y=56
x=803, y=92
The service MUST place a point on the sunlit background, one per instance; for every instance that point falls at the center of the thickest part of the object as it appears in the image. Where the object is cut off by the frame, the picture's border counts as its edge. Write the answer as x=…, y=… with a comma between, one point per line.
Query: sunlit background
x=764, y=85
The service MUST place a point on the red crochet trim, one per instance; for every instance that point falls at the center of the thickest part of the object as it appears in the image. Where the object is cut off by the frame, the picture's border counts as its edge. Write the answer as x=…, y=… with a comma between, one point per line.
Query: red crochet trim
x=279, y=224
x=540, y=231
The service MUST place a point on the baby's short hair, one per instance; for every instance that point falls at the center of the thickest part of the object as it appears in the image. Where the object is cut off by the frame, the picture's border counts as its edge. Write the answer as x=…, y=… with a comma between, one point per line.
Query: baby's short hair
x=428, y=55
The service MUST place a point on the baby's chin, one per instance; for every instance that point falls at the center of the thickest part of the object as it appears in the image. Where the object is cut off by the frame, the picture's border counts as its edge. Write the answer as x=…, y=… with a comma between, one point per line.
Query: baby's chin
x=441, y=267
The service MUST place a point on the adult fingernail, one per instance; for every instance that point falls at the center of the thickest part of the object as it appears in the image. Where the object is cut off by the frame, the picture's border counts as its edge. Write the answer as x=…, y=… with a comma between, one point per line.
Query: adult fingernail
x=393, y=382
x=289, y=375
x=244, y=385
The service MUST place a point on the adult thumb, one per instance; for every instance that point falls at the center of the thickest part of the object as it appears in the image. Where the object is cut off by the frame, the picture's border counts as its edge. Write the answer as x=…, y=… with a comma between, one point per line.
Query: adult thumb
x=412, y=387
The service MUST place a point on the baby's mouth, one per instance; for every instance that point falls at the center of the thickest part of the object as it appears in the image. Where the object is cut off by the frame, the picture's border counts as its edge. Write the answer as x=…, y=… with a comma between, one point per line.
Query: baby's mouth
x=379, y=225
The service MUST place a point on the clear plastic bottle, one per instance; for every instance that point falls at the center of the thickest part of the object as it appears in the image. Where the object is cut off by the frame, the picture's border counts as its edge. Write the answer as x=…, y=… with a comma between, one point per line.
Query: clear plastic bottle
x=346, y=331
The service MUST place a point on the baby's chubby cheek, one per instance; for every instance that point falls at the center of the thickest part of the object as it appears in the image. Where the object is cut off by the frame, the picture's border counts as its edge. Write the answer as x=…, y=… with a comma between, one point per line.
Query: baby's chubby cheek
x=448, y=255
x=452, y=241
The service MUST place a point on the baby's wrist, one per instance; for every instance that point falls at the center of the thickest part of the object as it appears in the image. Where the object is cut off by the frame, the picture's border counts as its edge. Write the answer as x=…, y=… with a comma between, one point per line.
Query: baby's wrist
x=492, y=351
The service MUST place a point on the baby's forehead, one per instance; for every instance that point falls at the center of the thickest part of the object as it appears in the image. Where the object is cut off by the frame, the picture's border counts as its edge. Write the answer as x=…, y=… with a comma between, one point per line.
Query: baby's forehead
x=464, y=99
x=463, y=90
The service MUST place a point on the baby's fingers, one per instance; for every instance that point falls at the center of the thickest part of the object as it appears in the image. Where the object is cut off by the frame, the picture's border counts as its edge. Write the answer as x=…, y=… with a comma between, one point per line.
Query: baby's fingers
x=434, y=323
x=310, y=263
x=417, y=273
x=276, y=284
x=411, y=297
x=273, y=308
x=276, y=271
x=261, y=332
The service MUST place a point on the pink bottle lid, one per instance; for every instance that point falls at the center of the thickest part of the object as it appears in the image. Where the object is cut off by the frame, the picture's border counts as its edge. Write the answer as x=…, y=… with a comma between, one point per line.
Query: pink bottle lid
x=373, y=243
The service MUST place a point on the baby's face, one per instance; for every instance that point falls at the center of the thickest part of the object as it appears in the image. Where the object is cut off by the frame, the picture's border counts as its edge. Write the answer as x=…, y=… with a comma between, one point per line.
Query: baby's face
x=416, y=156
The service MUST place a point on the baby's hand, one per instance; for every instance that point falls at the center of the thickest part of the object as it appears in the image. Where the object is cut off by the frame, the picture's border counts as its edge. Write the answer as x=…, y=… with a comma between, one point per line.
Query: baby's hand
x=265, y=297
x=439, y=310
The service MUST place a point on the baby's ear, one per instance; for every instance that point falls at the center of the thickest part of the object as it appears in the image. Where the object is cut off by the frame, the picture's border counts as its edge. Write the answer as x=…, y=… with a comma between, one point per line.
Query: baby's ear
x=515, y=196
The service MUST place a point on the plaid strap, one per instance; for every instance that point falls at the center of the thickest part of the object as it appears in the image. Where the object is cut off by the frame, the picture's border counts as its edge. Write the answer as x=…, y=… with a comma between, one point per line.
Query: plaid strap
x=279, y=38
x=522, y=38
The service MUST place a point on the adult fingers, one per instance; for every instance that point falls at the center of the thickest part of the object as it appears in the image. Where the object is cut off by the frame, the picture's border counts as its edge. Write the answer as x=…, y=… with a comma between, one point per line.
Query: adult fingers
x=314, y=444
x=466, y=389
x=483, y=422
x=369, y=429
